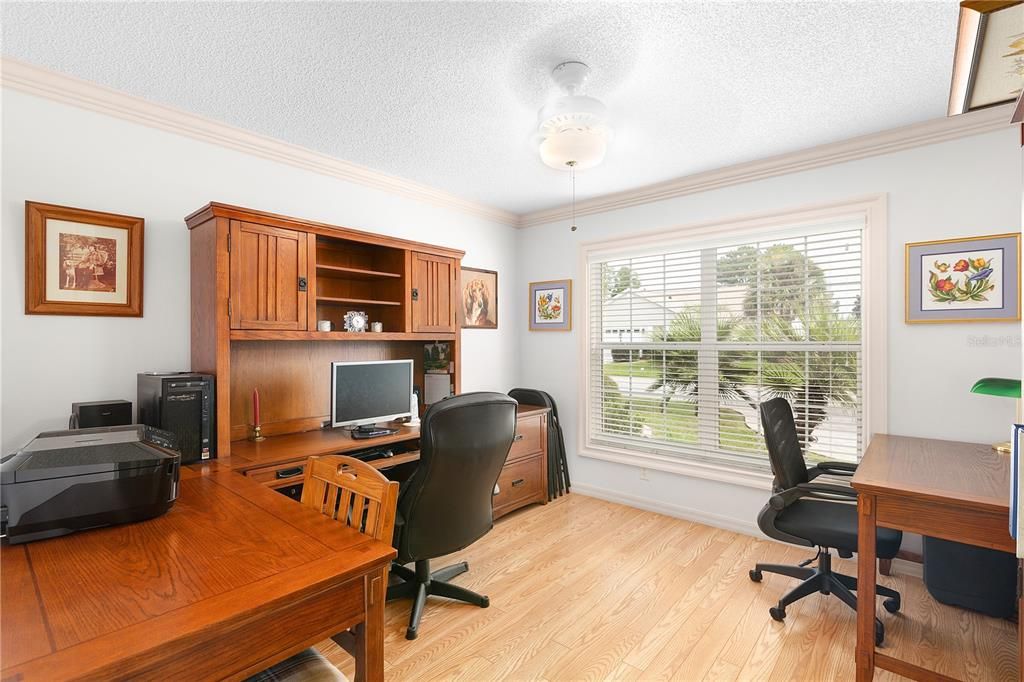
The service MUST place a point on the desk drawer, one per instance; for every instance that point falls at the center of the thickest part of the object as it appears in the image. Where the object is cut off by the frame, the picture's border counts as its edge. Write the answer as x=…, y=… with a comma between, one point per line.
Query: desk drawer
x=279, y=474
x=520, y=483
x=528, y=439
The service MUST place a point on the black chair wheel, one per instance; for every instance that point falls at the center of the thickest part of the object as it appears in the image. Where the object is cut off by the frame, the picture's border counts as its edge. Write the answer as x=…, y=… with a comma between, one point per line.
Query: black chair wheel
x=892, y=604
x=411, y=634
x=777, y=613
x=485, y=602
x=879, y=633
x=755, y=575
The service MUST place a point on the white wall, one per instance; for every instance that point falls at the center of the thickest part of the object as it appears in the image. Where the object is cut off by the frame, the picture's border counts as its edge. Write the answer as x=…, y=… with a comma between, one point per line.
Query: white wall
x=63, y=155
x=965, y=187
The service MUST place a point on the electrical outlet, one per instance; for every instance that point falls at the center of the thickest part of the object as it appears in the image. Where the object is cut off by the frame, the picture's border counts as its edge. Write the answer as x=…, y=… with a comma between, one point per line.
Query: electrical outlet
x=643, y=475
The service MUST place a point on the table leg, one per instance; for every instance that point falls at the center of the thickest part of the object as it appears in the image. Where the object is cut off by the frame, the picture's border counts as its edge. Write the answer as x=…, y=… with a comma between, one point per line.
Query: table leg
x=866, y=549
x=369, y=635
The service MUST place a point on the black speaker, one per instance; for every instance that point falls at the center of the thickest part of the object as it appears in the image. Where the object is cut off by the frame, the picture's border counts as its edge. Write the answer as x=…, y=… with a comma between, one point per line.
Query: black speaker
x=100, y=413
x=182, y=403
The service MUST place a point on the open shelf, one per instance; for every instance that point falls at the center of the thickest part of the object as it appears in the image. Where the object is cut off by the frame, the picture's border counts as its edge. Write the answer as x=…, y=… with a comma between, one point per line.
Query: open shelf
x=291, y=335
x=343, y=272
x=356, y=301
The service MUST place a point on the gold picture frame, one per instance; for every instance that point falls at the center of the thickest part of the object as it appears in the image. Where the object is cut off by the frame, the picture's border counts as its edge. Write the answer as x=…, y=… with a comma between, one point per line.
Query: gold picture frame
x=964, y=279
x=554, y=313
x=82, y=262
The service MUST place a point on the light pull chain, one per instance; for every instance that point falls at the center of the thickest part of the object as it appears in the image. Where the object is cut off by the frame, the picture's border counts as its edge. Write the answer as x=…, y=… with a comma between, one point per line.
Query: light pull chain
x=572, y=177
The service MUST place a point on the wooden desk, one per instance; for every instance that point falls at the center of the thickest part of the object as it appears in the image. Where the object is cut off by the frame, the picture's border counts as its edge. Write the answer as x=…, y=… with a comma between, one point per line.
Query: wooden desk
x=279, y=461
x=234, y=578
x=954, y=491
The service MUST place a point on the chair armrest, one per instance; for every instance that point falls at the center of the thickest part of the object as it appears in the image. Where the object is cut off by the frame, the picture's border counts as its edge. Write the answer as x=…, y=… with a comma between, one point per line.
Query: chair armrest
x=837, y=468
x=827, y=490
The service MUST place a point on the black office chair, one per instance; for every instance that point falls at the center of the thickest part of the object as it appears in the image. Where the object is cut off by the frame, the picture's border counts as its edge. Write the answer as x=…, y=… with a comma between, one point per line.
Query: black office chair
x=446, y=505
x=806, y=512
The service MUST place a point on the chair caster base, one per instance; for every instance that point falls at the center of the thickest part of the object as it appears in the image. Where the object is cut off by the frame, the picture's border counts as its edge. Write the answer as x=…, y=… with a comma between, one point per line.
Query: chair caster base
x=891, y=605
x=879, y=632
x=411, y=634
x=756, y=575
x=777, y=614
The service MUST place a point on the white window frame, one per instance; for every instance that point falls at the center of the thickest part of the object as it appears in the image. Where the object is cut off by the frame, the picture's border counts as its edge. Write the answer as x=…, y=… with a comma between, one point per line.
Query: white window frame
x=874, y=312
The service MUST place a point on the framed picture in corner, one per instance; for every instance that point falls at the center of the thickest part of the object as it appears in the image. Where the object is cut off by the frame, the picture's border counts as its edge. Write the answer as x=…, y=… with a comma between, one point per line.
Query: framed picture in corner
x=479, y=298
x=81, y=262
x=970, y=279
x=551, y=306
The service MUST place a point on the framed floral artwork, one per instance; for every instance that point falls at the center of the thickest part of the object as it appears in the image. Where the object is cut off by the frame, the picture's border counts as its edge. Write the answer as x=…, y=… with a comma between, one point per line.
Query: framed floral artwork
x=551, y=306
x=80, y=262
x=972, y=279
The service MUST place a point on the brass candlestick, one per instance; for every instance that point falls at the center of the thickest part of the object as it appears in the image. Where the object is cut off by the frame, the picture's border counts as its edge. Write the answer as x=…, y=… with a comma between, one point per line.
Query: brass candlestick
x=257, y=433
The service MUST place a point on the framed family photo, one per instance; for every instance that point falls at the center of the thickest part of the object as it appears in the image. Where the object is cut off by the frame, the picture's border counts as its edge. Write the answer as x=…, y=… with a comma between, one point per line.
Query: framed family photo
x=80, y=262
x=971, y=279
x=479, y=298
x=551, y=306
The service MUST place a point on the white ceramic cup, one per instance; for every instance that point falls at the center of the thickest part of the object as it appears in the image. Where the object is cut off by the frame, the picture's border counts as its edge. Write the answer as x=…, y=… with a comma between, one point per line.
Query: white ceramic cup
x=323, y=325
x=376, y=326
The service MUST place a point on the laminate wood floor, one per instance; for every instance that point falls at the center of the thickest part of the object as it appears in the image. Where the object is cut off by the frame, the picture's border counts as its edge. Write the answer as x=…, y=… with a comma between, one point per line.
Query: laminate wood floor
x=583, y=589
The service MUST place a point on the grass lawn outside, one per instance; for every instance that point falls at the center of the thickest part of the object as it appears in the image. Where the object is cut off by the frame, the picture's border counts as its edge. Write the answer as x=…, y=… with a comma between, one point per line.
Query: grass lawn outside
x=637, y=368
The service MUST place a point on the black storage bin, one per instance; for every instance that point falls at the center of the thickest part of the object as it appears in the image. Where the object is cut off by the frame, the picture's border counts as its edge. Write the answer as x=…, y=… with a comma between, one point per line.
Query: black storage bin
x=969, y=577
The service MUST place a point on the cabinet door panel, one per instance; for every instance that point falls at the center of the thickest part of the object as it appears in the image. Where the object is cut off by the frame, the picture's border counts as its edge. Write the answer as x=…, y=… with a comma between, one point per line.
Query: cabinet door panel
x=433, y=281
x=266, y=266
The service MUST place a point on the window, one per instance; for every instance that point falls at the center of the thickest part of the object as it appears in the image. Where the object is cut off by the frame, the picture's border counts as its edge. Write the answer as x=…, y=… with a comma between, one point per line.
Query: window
x=687, y=335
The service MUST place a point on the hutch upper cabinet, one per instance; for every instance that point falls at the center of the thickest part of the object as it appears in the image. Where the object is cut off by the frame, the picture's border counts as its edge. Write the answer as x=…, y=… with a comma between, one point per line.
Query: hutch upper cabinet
x=268, y=277
x=434, y=281
x=260, y=282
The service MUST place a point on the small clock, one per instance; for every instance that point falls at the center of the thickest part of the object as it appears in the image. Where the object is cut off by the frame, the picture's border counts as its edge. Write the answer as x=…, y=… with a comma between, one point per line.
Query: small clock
x=355, y=321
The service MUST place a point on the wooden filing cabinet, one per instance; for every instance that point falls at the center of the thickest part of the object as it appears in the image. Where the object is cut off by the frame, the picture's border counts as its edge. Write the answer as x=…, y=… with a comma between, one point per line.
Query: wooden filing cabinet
x=524, y=478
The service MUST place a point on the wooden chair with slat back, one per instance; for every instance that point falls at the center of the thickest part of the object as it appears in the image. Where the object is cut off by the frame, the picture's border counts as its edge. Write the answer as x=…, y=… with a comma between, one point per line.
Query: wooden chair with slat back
x=352, y=492
x=359, y=496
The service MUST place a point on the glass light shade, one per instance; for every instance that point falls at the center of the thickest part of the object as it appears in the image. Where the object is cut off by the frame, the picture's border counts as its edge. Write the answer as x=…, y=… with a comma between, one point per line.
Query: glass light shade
x=586, y=147
x=1005, y=388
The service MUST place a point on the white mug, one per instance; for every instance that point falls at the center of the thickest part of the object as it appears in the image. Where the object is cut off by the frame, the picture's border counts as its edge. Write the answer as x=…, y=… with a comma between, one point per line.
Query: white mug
x=376, y=326
x=323, y=325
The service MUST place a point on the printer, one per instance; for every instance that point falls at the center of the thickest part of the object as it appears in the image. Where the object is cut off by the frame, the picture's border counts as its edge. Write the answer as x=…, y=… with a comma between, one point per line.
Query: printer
x=64, y=481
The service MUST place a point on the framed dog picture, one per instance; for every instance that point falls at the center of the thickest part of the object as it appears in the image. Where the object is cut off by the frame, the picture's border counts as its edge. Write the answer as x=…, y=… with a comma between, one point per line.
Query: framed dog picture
x=80, y=262
x=479, y=299
x=551, y=306
x=973, y=279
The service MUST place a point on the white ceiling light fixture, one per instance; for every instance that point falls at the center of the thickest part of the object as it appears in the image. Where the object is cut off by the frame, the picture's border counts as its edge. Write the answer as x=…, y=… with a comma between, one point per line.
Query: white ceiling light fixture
x=574, y=127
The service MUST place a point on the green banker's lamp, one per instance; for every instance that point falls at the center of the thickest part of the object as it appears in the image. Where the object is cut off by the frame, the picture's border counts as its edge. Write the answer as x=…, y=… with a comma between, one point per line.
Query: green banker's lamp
x=1003, y=388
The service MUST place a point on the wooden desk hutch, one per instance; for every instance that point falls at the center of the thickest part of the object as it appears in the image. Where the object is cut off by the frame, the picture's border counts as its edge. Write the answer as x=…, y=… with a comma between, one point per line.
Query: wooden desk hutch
x=261, y=281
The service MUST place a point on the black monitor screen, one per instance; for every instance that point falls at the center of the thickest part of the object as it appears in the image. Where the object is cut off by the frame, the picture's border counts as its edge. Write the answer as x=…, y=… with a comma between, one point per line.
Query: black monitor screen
x=368, y=392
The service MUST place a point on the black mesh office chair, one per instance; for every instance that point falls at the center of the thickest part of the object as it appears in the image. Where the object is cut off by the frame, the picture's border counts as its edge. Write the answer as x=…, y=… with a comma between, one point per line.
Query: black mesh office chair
x=446, y=505
x=803, y=511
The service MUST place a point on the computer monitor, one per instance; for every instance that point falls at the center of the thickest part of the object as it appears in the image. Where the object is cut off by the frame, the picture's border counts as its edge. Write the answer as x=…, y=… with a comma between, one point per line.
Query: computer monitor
x=365, y=393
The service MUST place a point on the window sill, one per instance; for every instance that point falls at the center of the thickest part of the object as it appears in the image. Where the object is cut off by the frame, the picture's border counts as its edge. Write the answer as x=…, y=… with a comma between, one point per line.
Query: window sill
x=683, y=467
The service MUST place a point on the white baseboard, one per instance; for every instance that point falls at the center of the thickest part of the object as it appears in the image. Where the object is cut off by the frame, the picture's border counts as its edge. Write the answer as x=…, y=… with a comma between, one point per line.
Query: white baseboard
x=678, y=511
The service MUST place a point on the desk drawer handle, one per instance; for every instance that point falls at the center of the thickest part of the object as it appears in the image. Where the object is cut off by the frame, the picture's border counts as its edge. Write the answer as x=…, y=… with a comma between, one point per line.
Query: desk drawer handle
x=518, y=438
x=518, y=482
x=288, y=473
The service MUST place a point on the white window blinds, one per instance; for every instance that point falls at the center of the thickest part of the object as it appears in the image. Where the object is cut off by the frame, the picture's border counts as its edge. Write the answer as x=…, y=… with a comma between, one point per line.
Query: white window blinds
x=686, y=341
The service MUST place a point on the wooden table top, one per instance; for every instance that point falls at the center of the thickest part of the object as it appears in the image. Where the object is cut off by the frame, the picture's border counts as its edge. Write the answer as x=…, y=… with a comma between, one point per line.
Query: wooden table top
x=228, y=548
x=969, y=474
x=295, y=447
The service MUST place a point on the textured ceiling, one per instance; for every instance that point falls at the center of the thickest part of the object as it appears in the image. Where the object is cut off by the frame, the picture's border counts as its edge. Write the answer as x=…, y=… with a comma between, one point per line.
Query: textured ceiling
x=446, y=94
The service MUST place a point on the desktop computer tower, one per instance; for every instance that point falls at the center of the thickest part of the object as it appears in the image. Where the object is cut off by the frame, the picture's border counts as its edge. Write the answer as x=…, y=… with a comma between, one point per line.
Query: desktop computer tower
x=182, y=403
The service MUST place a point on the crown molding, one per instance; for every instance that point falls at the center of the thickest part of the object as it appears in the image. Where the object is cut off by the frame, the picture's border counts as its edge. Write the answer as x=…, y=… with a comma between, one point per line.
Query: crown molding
x=865, y=146
x=58, y=87
x=55, y=86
